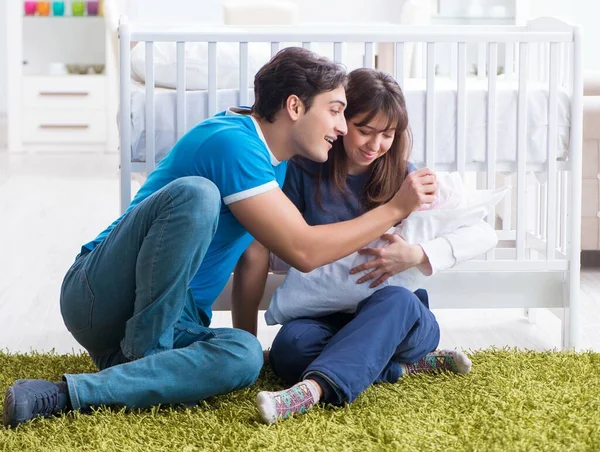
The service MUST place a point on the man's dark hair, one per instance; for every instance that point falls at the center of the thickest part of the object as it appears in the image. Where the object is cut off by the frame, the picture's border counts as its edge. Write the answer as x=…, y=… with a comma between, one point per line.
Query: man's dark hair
x=294, y=71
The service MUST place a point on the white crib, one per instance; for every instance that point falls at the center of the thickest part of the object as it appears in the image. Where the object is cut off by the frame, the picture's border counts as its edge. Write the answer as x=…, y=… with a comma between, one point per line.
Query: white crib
x=522, y=127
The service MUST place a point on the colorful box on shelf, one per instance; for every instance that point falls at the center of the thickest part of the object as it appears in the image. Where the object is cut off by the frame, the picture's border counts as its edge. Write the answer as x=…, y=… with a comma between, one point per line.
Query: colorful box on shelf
x=30, y=8
x=92, y=8
x=78, y=8
x=58, y=8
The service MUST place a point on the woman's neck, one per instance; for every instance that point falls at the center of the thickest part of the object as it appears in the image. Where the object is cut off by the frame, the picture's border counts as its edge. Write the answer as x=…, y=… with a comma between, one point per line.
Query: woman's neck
x=356, y=170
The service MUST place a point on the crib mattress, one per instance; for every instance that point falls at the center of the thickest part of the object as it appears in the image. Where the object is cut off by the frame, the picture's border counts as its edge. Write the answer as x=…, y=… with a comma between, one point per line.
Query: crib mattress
x=415, y=95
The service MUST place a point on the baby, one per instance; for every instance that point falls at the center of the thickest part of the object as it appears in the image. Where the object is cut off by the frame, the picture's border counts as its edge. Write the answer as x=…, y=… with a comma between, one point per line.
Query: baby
x=331, y=288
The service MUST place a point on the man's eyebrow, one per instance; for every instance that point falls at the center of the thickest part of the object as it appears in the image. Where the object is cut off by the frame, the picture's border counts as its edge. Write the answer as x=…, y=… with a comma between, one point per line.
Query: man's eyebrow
x=343, y=104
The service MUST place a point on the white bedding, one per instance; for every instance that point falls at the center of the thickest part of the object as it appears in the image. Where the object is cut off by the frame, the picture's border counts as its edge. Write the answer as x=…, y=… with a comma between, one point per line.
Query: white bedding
x=415, y=94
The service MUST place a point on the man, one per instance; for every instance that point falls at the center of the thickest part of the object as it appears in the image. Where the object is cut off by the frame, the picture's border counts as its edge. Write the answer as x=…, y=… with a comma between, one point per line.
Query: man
x=139, y=296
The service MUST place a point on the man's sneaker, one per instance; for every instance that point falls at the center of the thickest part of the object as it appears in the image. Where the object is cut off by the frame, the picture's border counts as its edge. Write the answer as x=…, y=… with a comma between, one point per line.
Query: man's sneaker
x=28, y=399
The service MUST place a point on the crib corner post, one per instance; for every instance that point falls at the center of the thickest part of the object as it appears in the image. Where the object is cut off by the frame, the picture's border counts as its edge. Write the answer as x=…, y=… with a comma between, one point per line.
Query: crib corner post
x=124, y=33
x=575, y=154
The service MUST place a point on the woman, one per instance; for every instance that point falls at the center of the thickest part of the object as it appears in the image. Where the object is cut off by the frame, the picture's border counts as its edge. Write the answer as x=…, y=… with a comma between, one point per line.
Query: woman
x=393, y=332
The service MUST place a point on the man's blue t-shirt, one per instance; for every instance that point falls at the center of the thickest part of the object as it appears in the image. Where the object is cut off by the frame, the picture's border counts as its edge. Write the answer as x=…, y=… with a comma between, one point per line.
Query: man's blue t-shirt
x=319, y=201
x=229, y=150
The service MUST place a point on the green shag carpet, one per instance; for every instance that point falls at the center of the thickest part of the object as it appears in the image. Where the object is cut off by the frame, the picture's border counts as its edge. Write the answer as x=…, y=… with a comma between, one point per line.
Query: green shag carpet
x=511, y=401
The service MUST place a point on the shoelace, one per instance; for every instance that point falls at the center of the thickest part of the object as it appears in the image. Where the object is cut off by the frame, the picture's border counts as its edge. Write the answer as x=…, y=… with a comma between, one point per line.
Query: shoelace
x=45, y=403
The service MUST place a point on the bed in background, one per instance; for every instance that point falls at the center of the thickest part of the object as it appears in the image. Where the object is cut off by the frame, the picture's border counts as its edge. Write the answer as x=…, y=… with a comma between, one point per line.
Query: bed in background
x=522, y=127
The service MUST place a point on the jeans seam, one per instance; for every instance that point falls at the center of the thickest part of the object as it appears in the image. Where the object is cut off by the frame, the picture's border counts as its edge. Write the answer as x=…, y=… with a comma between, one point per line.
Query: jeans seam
x=92, y=297
x=129, y=349
x=73, y=396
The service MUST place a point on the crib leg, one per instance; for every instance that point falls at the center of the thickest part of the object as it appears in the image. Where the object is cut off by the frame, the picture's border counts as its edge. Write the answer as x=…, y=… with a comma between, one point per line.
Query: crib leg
x=566, y=330
x=531, y=315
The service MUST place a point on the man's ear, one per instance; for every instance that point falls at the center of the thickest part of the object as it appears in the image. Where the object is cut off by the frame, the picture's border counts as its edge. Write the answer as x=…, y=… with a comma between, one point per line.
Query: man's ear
x=294, y=107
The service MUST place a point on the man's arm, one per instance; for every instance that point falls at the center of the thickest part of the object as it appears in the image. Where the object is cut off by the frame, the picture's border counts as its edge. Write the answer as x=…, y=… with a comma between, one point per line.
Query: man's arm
x=275, y=222
x=249, y=279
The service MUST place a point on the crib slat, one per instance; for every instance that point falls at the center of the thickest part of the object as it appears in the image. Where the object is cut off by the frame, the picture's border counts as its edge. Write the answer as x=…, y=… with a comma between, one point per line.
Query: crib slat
x=481, y=60
x=369, y=62
x=181, y=87
x=564, y=210
x=244, y=79
x=306, y=45
x=337, y=52
x=274, y=48
x=552, y=150
x=430, y=127
x=453, y=58
x=125, y=116
x=212, y=78
x=461, y=109
x=491, y=130
x=509, y=50
x=150, y=116
x=506, y=207
x=522, y=151
x=400, y=64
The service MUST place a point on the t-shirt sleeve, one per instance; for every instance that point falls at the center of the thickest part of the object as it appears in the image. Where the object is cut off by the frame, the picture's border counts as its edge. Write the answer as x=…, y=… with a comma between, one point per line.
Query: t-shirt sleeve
x=238, y=164
x=293, y=186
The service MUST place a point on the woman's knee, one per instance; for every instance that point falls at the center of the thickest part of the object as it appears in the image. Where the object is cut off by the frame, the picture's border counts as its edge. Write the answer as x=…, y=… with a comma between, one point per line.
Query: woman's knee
x=394, y=299
x=296, y=345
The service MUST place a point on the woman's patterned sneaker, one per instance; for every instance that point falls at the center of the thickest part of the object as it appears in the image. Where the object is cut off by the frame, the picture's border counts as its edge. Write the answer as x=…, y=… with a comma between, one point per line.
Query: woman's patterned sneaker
x=441, y=360
x=282, y=404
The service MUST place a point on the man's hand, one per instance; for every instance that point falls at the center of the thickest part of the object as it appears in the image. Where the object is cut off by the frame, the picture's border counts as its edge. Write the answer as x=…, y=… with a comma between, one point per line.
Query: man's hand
x=418, y=188
x=390, y=260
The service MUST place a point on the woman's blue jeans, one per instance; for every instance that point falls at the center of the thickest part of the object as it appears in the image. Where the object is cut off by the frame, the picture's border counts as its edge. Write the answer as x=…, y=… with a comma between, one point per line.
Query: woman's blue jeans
x=347, y=353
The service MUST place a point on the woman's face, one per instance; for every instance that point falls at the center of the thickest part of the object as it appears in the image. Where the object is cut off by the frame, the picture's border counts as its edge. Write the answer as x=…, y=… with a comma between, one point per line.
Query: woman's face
x=367, y=143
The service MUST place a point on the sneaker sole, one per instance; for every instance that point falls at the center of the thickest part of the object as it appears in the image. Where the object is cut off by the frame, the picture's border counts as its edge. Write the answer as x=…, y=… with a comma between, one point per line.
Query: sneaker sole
x=9, y=409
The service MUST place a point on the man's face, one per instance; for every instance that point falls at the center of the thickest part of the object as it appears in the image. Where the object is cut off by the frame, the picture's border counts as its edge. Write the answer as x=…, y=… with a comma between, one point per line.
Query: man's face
x=317, y=129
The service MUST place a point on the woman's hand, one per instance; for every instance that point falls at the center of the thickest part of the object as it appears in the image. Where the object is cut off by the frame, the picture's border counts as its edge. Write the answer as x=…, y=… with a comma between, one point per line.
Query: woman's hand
x=390, y=260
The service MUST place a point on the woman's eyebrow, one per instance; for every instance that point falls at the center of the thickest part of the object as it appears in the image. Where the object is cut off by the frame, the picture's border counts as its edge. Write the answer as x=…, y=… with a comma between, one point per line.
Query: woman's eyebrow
x=389, y=129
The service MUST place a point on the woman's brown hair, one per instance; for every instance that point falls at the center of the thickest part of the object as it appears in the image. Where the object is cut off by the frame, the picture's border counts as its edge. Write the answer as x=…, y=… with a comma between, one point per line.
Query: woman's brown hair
x=371, y=92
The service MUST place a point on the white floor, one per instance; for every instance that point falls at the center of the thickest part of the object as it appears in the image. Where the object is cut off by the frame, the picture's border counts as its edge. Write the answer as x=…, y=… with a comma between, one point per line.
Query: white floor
x=51, y=204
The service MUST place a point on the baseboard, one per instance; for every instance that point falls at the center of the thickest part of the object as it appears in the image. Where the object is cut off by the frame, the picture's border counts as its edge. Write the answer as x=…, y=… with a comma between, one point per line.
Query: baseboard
x=590, y=258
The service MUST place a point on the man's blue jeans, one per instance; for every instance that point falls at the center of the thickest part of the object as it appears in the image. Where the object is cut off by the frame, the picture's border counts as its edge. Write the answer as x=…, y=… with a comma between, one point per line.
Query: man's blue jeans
x=347, y=353
x=129, y=304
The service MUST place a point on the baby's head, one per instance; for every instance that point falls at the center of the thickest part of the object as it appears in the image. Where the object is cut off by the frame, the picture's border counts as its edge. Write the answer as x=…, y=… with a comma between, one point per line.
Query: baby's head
x=450, y=193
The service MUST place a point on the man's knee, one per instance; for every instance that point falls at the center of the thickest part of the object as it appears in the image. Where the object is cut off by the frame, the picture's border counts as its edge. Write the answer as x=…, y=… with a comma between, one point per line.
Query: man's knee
x=246, y=359
x=198, y=191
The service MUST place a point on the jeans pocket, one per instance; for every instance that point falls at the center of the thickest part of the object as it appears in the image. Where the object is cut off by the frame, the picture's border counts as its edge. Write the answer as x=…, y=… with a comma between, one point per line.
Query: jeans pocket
x=76, y=301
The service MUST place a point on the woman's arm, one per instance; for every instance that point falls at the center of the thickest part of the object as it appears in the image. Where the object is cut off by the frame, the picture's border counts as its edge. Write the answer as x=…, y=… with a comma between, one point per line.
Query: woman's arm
x=249, y=279
x=431, y=257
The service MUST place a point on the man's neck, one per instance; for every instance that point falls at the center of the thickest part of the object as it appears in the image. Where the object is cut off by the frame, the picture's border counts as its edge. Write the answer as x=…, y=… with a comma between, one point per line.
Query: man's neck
x=277, y=137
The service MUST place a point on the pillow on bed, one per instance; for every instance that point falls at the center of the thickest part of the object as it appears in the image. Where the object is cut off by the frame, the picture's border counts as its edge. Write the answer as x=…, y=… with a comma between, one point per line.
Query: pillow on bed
x=331, y=288
x=196, y=60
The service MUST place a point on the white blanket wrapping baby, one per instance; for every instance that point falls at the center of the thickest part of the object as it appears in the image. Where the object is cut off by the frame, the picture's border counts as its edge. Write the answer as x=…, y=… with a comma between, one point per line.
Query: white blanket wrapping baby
x=331, y=288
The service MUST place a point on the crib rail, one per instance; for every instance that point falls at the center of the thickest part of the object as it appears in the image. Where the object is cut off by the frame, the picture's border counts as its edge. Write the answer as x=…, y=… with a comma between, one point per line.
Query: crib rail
x=539, y=52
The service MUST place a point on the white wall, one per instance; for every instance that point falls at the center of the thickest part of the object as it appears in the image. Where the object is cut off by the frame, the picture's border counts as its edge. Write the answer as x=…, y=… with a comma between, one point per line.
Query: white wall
x=582, y=12
x=349, y=10
x=3, y=67
x=207, y=11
